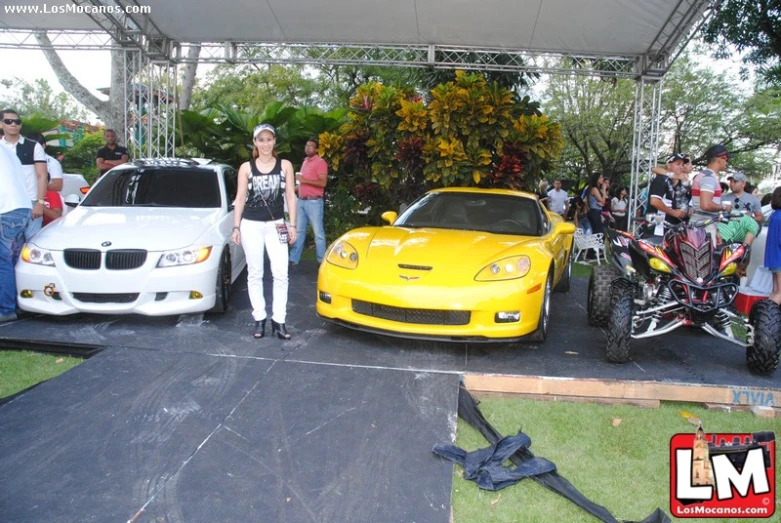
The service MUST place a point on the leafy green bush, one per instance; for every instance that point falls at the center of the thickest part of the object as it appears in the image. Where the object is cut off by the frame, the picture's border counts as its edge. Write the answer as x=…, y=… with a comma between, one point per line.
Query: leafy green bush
x=81, y=157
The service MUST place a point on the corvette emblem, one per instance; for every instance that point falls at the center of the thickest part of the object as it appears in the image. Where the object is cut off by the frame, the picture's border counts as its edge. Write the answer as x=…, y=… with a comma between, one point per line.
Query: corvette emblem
x=409, y=278
x=105, y=244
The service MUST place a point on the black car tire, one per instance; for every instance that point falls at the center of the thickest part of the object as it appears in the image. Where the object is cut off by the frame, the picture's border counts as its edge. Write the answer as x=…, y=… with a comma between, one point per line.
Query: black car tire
x=539, y=335
x=619, y=326
x=222, y=285
x=564, y=282
x=599, y=294
x=762, y=357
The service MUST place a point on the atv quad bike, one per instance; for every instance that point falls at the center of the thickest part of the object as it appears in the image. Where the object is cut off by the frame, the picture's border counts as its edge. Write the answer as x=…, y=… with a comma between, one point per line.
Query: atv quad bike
x=656, y=285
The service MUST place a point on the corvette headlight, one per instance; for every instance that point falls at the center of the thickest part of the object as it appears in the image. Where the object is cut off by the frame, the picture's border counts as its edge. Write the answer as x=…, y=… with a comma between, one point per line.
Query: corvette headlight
x=505, y=269
x=344, y=255
x=184, y=257
x=37, y=256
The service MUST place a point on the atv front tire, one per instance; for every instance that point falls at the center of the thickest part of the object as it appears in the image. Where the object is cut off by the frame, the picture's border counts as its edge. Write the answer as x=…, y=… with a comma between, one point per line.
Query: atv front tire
x=599, y=294
x=762, y=357
x=619, y=326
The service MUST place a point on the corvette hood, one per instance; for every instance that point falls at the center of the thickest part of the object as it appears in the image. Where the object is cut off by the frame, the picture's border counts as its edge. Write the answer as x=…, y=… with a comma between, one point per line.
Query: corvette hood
x=439, y=248
x=153, y=229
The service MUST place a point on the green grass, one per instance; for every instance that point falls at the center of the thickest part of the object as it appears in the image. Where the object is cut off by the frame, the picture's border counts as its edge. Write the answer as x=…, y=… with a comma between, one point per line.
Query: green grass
x=624, y=468
x=19, y=370
x=581, y=270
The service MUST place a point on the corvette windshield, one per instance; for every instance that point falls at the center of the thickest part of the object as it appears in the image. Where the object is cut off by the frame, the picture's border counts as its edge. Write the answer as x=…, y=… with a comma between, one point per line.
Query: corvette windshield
x=494, y=213
x=156, y=187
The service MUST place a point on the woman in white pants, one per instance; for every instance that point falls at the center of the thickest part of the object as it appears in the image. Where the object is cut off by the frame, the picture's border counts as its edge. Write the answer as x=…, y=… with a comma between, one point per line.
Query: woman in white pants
x=259, y=224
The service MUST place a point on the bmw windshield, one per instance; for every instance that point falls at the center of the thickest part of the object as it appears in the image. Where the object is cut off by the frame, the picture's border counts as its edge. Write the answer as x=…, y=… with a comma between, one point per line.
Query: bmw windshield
x=156, y=187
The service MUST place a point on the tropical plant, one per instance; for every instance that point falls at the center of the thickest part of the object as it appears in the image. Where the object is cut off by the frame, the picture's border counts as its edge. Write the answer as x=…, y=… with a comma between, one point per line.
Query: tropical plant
x=395, y=145
x=81, y=157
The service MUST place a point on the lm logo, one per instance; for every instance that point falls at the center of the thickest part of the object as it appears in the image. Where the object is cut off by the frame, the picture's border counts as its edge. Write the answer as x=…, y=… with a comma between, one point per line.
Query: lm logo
x=722, y=475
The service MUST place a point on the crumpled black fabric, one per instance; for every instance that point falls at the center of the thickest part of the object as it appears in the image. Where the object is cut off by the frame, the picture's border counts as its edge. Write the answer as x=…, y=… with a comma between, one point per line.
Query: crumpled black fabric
x=486, y=466
x=468, y=411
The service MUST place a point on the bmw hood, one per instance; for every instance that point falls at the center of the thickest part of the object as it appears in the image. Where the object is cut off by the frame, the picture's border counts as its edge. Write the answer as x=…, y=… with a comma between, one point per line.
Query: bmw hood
x=152, y=229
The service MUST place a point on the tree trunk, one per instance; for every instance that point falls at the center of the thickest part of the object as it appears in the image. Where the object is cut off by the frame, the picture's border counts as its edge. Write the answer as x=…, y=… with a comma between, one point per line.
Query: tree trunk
x=188, y=82
x=69, y=82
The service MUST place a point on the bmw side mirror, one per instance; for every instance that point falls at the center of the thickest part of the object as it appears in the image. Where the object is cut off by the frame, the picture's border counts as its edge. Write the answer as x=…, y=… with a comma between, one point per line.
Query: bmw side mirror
x=72, y=201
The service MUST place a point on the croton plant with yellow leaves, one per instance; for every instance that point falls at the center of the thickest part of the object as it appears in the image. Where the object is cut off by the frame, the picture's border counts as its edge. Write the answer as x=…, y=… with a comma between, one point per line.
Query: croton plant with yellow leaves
x=466, y=133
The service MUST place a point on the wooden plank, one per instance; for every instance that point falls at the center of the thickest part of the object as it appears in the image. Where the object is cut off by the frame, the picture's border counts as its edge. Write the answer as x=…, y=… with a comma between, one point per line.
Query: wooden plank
x=635, y=390
x=646, y=404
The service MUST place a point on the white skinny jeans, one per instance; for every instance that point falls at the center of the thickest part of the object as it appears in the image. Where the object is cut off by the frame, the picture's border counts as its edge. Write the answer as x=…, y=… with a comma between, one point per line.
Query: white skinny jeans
x=255, y=237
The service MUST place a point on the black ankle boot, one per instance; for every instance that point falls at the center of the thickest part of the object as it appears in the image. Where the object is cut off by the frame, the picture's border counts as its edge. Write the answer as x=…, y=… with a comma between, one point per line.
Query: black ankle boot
x=260, y=329
x=279, y=330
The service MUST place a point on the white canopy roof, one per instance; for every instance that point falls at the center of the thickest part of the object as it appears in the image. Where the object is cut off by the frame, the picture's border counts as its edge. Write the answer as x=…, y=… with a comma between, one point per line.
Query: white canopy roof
x=614, y=28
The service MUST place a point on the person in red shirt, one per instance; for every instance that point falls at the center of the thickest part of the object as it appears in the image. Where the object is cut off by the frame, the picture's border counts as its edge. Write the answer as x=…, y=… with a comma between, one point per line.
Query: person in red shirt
x=313, y=178
x=52, y=207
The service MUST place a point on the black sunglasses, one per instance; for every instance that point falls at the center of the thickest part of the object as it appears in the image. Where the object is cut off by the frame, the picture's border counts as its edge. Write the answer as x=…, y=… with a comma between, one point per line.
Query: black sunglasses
x=11, y=121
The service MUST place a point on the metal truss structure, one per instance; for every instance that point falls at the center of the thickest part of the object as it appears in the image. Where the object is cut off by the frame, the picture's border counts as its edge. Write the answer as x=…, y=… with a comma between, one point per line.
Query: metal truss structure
x=150, y=107
x=645, y=140
x=152, y=59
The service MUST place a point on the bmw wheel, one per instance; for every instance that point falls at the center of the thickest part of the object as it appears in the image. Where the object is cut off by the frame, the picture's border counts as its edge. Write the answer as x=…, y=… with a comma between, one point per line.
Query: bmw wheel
x=223, y=284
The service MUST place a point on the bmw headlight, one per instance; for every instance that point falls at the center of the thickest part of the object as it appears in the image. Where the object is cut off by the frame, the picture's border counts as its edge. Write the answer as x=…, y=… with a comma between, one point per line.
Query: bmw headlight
x=344, y=255
x=37, y=256
x=188, y=256
x=505, y=269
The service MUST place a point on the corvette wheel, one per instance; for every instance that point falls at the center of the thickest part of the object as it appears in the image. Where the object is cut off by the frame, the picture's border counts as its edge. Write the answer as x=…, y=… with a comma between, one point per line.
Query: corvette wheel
x=222, y=285
x=541, y=333
x=762, y=356
x=564, y=282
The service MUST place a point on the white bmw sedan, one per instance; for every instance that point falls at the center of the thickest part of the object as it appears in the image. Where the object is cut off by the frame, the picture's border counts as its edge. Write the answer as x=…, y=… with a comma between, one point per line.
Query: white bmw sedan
x=151, y=237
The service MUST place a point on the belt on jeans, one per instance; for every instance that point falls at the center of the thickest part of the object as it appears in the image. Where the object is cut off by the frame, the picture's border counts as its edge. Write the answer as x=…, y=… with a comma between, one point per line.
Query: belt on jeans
x=310, y=197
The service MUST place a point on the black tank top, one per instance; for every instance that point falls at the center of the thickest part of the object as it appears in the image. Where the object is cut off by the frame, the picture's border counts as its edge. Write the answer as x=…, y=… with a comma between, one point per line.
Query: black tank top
x=264, y=195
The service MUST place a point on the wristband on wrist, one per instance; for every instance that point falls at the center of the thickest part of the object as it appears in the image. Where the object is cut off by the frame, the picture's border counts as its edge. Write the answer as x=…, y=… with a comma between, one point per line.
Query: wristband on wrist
x=236, y=229
x=291, y=226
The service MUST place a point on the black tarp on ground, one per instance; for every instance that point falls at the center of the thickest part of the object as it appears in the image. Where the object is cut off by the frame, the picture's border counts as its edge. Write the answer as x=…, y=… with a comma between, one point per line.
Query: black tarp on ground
x=573, y=349
x=190, y=437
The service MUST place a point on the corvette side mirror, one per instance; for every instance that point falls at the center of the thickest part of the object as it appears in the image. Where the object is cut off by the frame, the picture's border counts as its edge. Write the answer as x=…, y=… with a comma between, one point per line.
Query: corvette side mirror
x=565, y=228
x=389, y=216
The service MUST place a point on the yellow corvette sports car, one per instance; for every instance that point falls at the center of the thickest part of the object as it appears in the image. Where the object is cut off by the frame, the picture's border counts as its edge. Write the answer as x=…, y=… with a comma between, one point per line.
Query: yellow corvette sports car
x=459, y=264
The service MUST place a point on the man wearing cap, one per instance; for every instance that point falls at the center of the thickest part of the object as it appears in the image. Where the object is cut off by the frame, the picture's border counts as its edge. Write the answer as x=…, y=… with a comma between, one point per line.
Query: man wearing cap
x=740, y=199
x=312, y=180
x=680, y=182
x=706, y=190
x=662, y=194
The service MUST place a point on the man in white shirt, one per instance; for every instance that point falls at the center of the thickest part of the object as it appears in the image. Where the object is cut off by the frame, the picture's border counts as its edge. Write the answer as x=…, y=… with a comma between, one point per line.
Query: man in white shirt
x=558, y=200
x=53, y=165
x=14, y=215
x=33, y=159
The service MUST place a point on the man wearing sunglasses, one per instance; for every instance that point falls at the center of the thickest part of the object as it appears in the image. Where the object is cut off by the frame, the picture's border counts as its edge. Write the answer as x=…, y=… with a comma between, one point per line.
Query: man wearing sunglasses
x=706, y=190
x=740, y=199
x=33, y=159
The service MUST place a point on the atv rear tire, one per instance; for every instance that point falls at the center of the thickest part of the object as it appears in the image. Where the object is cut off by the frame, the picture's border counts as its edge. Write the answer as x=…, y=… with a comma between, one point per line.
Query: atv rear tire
x=762, y=357
x=619, y=326
x=599, y=294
